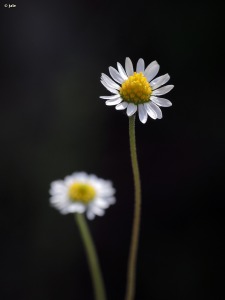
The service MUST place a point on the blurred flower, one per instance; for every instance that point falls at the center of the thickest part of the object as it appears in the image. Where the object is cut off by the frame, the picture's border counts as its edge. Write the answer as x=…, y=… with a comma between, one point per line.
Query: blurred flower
x=137, y=91
x=80, y=192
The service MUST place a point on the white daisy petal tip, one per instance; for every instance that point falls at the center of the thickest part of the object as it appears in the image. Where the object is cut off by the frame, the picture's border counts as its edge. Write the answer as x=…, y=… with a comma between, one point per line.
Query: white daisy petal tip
x=80, y=193
x=161, y=101
x=109, y=97
x=109, y=88
x=162, y=90
x=156, y=109
x=129, y=66
x=137, y=91
x=159, y=81
x=116, y=75
x=122, y=71
x=131, y=109
x=142, y=113
x=121, y=106
x=140, y=66
x=113, y=101
x=152, y=70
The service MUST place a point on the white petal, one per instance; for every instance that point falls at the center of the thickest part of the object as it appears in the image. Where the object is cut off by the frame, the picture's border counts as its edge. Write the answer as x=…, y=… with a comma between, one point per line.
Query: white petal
x=97, y=210
x=63, y=211
x=109, y=88
x=140, y=66
x=105, y=190
x=151, y=70
x=161, y=101
x=131, y=109
x=122, y=106
x=90, y=215
x=129, y=67
x=76, y=207
x=113, y=101
x=57, y=187
x=154, y=62
x=142, y=113
x=108, y=80
x=110, y=97
x=109, y=85
x=115, y=75
x=100, y=202
x=159, y=81
x=111, y=200
x=163, y=90
x=150, y=111
x=122, y=71
x=156, y=109
x=59, y=201
x=77, y=176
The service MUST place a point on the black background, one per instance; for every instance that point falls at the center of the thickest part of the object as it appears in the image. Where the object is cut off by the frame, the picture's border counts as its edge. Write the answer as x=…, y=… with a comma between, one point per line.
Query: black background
x=53, y=123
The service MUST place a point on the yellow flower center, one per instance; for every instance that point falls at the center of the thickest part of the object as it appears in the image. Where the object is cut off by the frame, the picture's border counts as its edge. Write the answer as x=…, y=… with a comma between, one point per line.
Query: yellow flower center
x=81, y=192
x=136, y=89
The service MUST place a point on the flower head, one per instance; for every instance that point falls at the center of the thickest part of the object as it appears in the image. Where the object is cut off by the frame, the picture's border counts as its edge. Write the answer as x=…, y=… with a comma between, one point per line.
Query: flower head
x=137, y=91
x=81, y=192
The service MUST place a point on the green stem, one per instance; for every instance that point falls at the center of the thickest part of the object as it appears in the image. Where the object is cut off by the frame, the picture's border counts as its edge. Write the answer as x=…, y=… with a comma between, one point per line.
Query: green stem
x=95, y=271
x=131, y=272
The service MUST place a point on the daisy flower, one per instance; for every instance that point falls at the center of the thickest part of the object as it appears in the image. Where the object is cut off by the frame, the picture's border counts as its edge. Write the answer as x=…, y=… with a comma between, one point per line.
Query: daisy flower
x=137, y=91
x=80, y=192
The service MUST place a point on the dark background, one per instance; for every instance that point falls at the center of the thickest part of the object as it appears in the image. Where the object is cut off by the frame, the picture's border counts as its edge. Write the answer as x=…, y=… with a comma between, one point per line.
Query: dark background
x=53, y=123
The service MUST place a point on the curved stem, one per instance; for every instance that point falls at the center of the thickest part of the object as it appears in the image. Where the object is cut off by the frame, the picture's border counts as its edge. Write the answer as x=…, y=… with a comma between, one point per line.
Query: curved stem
x=131, y=272
x=95, y=271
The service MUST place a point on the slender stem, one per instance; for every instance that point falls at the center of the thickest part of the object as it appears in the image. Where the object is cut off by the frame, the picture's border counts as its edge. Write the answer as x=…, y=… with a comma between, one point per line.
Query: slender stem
x=131, y=272
x=95, y=271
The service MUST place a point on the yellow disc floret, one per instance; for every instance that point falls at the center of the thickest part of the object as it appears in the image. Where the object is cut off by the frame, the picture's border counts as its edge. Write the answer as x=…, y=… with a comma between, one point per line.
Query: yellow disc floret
x=136, y=89
x=81, y=192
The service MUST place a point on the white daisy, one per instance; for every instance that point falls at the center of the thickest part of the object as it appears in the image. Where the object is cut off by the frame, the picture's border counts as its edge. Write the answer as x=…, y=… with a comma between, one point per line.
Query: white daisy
x=80, y=192
x=137, y=91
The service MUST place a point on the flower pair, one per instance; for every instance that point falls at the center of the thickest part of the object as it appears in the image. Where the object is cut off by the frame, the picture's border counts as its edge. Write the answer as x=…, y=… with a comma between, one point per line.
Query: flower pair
x=135, y=91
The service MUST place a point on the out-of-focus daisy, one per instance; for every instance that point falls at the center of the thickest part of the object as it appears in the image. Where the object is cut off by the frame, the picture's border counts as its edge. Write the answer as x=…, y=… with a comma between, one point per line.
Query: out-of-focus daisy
x=80, y=192
x=137, y=91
